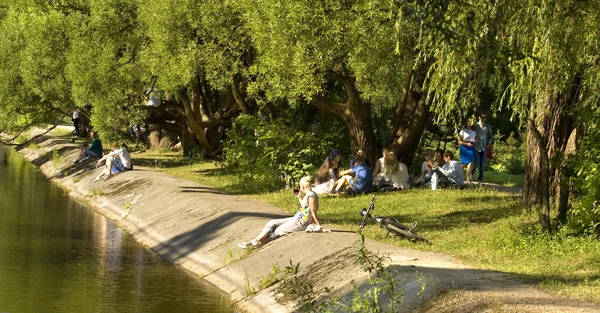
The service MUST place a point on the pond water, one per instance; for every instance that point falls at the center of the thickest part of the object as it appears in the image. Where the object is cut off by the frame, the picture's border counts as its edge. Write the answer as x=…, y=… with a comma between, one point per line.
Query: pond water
x=57, y=255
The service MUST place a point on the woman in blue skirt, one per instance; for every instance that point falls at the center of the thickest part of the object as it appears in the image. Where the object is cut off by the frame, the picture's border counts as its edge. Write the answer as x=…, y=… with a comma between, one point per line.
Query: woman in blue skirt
x=466, y=140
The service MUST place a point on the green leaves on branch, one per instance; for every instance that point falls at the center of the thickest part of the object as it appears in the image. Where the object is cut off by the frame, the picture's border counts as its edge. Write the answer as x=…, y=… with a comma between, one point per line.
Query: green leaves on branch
x=264, y=153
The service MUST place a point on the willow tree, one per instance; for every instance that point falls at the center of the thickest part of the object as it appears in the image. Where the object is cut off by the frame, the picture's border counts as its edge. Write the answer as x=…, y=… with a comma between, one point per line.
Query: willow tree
x=550, y=83
x=34, y=90
x=539, y=55
x=336, y=55
x=199, y=53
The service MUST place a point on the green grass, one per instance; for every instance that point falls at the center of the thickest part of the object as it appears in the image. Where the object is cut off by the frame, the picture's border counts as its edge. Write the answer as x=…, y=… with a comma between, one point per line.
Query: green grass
x=61, y=132
x=503, y=179
x=485, y=228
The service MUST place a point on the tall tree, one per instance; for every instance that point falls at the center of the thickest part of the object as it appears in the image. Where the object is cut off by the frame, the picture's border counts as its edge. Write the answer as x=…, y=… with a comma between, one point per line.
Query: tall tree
x=336, y=55
x=200, y=53
x=538, y=55
x=34, y=89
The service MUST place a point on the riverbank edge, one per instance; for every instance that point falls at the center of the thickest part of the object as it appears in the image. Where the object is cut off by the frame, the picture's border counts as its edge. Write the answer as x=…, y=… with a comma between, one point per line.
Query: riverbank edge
x=178, y=226
x=197, y=228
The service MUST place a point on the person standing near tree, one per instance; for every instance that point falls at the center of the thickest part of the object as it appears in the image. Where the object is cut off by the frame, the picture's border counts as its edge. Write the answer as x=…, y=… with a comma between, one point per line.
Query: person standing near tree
x=466, y=140
x=75, y=119
x=484, y=141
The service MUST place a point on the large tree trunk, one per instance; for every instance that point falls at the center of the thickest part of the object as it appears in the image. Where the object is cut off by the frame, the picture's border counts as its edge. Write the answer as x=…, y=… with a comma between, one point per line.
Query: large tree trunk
x=537, y=176
x=412, y=115
x=356, y=114
x=551, y=138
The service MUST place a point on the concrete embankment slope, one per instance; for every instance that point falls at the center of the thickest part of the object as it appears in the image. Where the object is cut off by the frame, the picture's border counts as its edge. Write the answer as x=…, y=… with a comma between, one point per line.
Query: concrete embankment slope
x=198, y=228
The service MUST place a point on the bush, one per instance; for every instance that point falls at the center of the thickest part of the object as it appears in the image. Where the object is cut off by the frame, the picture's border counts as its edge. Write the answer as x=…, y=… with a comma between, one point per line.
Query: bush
x=509, y=155
x=584, y=215
x=266, y=154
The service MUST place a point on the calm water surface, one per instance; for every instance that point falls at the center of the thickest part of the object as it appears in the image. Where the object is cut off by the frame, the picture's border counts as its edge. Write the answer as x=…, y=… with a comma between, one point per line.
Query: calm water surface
x=57, y=255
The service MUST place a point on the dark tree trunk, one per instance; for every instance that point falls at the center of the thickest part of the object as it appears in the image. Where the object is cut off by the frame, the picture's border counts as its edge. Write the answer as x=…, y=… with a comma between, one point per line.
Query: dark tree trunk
x=537, y=176
x=187, y=141
x=551, y=139
x=412, y=116
x=356, y=114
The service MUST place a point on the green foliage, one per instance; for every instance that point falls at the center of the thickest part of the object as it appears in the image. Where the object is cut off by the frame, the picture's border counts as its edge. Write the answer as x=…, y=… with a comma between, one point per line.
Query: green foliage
x=584, y=216
x=196, y=152
x=509, y=155
x=300, y=289
x=258, y=152
x=55, y=157
x=274, y=277
x=369, y=261
x=302, y=43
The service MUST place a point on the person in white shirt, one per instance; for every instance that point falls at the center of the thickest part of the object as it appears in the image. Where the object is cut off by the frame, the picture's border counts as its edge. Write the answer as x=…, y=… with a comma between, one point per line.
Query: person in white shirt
x=451, y=171
x=395, y=173
x=378, y=171
x=118, y=160
x=75, y=119
x=466, y=139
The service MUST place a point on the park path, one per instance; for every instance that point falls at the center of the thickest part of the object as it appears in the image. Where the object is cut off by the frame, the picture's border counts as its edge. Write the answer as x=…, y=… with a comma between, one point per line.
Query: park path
x=197, y=227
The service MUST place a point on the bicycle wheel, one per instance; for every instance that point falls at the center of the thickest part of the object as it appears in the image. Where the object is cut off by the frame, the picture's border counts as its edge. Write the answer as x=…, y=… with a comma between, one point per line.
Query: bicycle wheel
x=402, y=231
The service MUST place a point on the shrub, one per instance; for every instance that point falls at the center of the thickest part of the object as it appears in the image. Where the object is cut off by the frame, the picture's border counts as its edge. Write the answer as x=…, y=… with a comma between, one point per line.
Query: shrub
x=584, y=215
x=509, y=155
x=265, y=153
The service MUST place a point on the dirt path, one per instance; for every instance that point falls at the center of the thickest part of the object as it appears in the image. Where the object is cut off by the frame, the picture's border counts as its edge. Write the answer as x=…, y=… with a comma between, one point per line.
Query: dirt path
x=198, y=227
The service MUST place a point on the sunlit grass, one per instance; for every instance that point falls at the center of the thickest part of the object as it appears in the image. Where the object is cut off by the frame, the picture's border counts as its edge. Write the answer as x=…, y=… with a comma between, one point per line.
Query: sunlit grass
x=503, y=179
x=485, y=228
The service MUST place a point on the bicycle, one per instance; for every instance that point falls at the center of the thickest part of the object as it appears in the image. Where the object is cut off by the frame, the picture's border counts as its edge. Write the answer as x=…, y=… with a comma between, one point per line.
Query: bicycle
x=391, y=225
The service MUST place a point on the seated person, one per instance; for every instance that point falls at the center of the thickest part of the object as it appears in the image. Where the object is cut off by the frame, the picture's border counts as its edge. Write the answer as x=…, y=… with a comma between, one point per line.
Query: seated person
x=438, y=161
x=425, y=165
x=95, y=150
x=305, y=219
x=118, y=160
x=451, y=172
x=328, y=173
x=378, y=171
x=359, y=177
x=395, y=174
x=360, y=152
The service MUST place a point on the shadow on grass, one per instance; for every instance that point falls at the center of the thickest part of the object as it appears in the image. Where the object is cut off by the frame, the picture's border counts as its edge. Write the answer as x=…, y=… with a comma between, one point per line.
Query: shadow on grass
x=428, y=222
x=162, y=163
x=189, y=242
x=487, y=198
x=570, y=280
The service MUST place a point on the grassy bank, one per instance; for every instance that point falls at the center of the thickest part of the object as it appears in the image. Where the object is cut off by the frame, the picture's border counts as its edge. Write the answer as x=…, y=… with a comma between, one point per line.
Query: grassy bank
x=485, y=228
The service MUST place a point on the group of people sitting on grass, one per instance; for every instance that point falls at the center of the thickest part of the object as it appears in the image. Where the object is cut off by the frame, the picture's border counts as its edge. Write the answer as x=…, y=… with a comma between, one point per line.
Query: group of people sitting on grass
x=116, y=161
x=388, y=174
x=440, y=168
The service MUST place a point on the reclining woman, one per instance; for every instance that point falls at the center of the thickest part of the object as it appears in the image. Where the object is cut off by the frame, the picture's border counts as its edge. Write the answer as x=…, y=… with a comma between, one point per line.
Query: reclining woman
x=328, y=173
x=305, y=219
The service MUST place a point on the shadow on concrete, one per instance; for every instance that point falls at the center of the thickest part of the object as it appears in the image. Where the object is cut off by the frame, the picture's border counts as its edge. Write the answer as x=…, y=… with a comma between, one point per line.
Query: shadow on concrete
x=199, y=189
x=419, y=283
x=189, y=242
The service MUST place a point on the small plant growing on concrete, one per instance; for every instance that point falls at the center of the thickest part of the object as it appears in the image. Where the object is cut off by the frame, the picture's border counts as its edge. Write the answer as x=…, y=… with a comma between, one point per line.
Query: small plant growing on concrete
x=55, y=157
x=384, y=284
x=274, y=277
